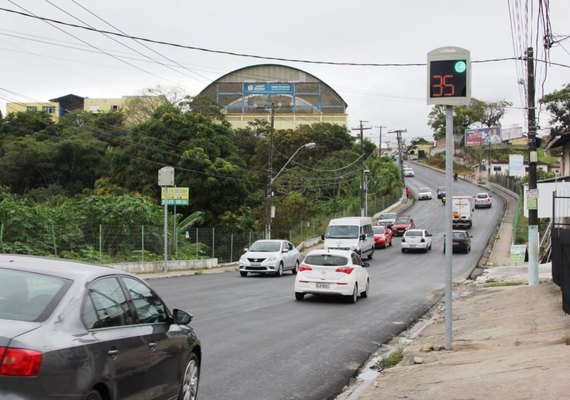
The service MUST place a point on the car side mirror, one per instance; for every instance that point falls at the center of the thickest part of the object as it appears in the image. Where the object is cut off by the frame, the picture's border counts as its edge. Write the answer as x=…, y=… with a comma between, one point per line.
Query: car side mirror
x=180, y=317
x=365, y=264
x=285, y=250
x=363, y=237
x=245, y=249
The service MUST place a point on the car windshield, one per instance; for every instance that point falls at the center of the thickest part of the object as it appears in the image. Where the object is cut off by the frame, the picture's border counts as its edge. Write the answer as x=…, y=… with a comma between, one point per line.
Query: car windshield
x=424, y=190
x=441, y=188
x=414, y=233
x=458, y=235
x=402, y=221
x=25, y=296
x=388, y=216
x=342, y=232
x=482, y=196
x=326, y=260
x=266, y=247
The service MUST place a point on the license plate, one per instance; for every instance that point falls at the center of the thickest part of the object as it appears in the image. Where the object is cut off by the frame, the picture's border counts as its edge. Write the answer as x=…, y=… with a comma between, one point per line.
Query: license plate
x=413, y=245
x=255, y=265
x=321, y=285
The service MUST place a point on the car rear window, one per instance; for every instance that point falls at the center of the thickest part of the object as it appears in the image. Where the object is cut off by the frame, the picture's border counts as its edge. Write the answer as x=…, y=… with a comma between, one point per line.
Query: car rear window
x=413, y=233
x=326, y=260
x=28, y=296
x=482, y=196
x=378, y=229
x=458, y=235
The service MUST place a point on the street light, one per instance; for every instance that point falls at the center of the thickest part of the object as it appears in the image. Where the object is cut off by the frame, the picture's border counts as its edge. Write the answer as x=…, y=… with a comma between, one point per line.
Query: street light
x=270, y=189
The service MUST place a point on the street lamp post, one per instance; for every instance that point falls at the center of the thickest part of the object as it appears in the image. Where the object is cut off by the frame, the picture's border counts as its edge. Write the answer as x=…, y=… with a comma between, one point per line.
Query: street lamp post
x=270, y=189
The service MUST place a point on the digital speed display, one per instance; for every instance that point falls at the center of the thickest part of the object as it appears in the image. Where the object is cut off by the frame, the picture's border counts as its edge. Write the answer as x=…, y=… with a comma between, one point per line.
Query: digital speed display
x=448, y=78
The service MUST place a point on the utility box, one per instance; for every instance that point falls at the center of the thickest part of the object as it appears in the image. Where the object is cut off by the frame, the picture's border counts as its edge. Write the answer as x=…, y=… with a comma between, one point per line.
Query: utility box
x=166, y=176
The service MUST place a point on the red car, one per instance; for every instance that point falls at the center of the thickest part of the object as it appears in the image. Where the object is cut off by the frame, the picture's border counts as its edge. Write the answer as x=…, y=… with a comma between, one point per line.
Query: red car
x=382, y=236
x=402, y=224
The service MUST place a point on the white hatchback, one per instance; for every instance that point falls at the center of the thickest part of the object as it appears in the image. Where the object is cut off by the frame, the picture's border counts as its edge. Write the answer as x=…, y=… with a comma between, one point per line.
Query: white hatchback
x=416, y=239
x=332, y=272
x=270, y=257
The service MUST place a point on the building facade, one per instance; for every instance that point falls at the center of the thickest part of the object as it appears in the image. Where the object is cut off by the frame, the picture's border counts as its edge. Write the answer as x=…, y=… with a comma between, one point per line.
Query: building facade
x=293, y=96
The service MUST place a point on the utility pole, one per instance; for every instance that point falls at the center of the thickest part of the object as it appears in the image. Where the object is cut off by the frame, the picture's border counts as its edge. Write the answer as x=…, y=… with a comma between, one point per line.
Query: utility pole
x=532, y=177
x=268, y=205
x=362, y=177
x=380, y=140
x=398, y=133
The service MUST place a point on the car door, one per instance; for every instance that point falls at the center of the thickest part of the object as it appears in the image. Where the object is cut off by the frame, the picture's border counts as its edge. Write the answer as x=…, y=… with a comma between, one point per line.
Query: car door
x=164, y=348
x=360, y=271
x=288, y=255
x=114, y=344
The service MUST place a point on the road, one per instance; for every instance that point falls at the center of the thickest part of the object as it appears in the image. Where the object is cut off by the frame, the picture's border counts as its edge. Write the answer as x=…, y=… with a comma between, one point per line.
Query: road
x=260, y=343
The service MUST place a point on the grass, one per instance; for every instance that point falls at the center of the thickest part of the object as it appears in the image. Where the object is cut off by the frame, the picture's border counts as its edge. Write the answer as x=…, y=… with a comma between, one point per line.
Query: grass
x=391, y=360
x=493, y=283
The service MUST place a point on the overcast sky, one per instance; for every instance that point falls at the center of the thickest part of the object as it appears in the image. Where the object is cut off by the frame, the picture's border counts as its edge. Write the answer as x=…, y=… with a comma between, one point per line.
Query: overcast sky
x=43, y=60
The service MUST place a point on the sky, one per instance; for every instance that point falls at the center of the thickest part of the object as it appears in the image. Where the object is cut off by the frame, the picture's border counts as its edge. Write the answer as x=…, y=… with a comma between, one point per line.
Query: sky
x=44, y=60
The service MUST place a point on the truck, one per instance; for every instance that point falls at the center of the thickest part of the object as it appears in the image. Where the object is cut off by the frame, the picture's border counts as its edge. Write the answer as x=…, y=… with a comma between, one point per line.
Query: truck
x=462, y=212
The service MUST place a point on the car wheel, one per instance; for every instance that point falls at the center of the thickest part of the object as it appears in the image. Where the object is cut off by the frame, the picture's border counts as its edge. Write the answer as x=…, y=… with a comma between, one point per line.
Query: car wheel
x=390, y=244
x=365, y=293
x=299, y=296
x=403, y=250
x=243, y=273
x=295, y=268
x=93, y=395
x=279, y=271
x=352, y=298
x=190, y=379
x=371, y=254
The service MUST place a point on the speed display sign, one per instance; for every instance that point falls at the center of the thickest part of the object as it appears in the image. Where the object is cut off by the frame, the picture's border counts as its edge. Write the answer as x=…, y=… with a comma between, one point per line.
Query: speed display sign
x=449, y=76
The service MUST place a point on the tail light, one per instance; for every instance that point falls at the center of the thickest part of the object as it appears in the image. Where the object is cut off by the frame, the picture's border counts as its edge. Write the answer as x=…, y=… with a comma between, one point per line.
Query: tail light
x=304, y=267
x=403, y=239
x=345, y=270
x=423, y=240
x=19, y=362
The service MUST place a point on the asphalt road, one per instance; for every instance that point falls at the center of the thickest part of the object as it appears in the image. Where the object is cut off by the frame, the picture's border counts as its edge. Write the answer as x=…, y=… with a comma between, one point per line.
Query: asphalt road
x=260, y=343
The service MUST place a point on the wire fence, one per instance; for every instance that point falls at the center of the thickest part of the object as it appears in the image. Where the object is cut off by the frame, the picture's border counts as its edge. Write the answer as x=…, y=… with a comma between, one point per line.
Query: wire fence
x=140, y=243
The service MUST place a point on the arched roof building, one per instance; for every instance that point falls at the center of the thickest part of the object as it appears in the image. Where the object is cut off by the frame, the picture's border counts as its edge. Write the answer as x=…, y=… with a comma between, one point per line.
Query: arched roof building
x=297, y=97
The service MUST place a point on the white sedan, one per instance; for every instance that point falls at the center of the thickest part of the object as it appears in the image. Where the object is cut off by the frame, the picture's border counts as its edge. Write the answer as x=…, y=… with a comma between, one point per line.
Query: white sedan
x=424, y=193
x=332, y=272
x=416, y=239
x=270, y=257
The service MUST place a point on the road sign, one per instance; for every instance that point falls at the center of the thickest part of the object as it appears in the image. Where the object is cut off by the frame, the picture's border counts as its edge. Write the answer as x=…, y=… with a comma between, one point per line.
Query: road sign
x=449, y=76
x=176, y=196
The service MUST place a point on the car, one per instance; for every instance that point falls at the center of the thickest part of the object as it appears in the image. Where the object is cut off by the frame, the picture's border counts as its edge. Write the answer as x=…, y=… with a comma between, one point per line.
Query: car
x=408, y=172
x=382, y=236
x=424, y=193
x=332, y=272
x=461, y=242
x=387, y=219
x=441, y=191
x=270, y=256
x=87, y=332
x=402, y=224
x=416, y=239
x=483, y=200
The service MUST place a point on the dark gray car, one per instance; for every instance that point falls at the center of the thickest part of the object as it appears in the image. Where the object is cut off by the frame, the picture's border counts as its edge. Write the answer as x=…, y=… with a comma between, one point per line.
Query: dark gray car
x=71, y=330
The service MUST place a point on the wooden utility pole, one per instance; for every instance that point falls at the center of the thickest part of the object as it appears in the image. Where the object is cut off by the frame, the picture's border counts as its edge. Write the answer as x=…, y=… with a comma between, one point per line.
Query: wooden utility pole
x=361, y=128
x=380, y=140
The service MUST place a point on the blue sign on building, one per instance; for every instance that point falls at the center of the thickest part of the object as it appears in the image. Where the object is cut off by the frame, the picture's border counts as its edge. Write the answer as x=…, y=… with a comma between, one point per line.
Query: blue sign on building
x=267, y=88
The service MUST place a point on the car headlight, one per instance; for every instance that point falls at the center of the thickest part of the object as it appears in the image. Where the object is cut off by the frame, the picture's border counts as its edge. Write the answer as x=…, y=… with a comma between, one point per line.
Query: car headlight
x=243, y=259
x=272, y=258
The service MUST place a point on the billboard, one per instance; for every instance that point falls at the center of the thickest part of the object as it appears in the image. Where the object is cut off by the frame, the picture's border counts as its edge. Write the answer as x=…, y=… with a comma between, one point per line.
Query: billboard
x=483, y=136
x=544, y=199
x=516, y=165
x=511, y=133
x=267, y=88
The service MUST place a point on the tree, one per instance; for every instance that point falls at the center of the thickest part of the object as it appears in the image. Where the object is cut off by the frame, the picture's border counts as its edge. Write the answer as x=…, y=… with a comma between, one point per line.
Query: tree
x=558, y=104
x=464, y=117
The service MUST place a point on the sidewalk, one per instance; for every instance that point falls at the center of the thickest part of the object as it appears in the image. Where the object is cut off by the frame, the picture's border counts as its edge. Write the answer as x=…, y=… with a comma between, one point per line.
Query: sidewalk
x=509, y=341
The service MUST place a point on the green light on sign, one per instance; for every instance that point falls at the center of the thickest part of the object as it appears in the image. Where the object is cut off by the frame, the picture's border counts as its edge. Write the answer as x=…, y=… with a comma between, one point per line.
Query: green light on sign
x=460, y=66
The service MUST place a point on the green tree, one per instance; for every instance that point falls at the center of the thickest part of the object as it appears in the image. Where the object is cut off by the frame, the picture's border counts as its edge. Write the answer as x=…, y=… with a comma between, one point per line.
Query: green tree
x=558, y=104
x=464, y=117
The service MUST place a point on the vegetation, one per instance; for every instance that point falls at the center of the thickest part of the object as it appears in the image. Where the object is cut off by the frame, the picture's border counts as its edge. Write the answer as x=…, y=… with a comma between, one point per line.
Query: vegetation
x=391, y=360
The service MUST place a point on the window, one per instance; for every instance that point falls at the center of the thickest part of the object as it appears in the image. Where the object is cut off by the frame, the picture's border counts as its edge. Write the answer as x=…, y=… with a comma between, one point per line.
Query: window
x=148, y=306
x=106, y=305
x=31, y=108
x=48, y=109
x=114, y=107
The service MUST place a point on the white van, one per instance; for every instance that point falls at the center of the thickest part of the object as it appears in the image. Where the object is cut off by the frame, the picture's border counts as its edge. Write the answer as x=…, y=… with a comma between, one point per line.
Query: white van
x=350, y=233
